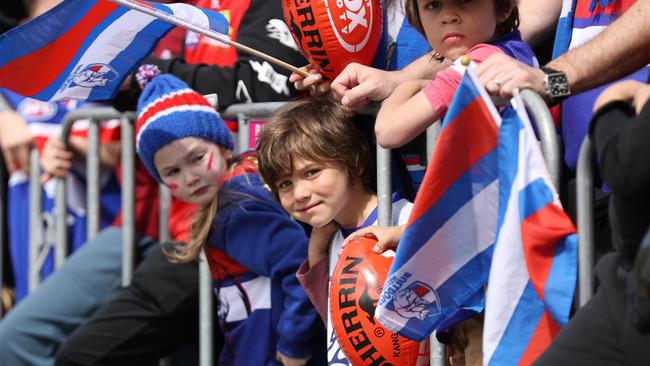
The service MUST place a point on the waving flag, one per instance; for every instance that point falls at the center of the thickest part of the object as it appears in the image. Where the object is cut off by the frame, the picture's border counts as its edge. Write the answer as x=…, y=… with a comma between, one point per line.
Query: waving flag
x=84, y=49
x=442, y=261
x=534, y=263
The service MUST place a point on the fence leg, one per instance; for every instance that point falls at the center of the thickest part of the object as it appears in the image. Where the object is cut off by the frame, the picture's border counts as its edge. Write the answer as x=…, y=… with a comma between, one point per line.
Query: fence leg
x=128, y=201
x=585, y=205
x=206, y=302
x=36, y=236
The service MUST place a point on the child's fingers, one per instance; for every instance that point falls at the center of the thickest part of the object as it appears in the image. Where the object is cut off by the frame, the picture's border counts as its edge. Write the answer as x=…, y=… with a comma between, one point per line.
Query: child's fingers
x=45, y=177
x=382, y=246
x=363, y=233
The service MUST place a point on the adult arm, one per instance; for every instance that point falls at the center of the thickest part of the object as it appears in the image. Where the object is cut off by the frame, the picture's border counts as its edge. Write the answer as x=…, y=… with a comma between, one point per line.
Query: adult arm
x=614, y=53
x=357, y=85
x=15, y=140
x=621, y=139
x=537, y=19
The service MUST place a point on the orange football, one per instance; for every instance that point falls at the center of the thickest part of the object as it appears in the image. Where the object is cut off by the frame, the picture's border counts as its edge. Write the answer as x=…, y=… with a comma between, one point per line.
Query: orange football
x=333, y=33
x=354, y=291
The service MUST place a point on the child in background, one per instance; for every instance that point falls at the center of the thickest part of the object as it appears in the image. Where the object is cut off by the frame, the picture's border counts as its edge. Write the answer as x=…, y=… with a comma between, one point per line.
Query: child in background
x=475, y=28
x=315, y=162
x=253, y=247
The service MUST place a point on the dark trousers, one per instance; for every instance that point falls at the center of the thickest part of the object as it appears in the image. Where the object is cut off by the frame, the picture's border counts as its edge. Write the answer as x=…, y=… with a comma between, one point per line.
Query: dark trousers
x=600, y=333
x=157, y=314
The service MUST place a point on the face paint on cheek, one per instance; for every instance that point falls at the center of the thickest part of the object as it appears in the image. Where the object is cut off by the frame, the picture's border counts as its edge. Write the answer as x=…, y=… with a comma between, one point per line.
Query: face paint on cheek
x=172, y=187
x=210, y=159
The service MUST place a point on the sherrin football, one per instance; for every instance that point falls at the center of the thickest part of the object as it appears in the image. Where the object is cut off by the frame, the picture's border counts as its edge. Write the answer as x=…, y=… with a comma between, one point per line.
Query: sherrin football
x=333, y=33
x=354, y=291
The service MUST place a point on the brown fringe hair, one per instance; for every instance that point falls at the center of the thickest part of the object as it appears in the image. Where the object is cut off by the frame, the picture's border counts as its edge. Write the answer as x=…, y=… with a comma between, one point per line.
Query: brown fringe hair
x=317, y=130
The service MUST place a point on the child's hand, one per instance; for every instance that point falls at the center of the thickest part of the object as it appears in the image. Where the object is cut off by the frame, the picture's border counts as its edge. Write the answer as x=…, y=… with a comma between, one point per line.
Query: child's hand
x=290, y=361
x=315, y=83
x=56, y=159
x=387, y=237
x=319, y=242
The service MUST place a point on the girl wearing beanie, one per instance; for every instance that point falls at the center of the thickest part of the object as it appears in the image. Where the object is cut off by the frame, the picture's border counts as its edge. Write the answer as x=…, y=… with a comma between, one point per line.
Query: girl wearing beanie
x=253, y=247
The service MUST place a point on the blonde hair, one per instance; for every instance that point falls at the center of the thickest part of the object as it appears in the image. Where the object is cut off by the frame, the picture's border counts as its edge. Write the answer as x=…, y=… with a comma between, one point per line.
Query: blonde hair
x=204, y=217
x=312, y=129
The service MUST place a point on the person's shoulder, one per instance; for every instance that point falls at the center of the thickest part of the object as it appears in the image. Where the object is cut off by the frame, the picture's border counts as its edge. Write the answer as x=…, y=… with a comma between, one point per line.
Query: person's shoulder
x=481, y=51
x=248, y=190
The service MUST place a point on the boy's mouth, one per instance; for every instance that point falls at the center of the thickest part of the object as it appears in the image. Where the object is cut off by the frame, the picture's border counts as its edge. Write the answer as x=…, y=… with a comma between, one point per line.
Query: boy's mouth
x=309, y=207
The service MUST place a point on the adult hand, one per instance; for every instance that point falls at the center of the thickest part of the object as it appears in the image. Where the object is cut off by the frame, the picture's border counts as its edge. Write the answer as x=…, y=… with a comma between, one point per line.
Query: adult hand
x=631, y=91
x=291, y=361
x=315, y=83
x=15, y=140
x=387, y=237
x=357, y=85
x=56, y=159
x=502, y=75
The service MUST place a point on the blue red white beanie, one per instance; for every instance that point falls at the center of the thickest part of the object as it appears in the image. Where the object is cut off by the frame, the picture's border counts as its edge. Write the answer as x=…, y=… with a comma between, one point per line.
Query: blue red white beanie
x=168, y=110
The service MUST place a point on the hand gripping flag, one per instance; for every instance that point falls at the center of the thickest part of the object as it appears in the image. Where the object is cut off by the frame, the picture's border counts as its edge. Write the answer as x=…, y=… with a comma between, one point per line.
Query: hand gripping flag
x=442, y=261
x=84, y=49
x=534, y=263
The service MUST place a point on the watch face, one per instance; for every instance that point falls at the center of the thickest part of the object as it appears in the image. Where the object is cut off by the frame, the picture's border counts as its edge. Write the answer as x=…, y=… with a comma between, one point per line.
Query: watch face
x=558, y=85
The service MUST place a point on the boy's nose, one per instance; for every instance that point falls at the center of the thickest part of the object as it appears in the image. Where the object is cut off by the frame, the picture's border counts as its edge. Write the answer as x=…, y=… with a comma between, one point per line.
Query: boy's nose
x=450, y=17
x=300, y=192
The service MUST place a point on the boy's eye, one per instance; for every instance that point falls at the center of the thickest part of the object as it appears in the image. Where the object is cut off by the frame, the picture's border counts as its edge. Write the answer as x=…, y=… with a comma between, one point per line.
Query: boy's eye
x=283, y=185
x=312, y=172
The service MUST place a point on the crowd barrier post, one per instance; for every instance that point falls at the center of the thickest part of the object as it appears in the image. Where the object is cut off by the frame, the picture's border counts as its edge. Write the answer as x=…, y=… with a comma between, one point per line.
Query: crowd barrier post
x=4, y=178
x=585, y=207
x=128, y=196
x=37, y=246
x=543, y=120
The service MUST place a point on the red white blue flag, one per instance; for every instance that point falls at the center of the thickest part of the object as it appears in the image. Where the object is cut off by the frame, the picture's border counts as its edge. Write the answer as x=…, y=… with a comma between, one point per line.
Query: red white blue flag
x=84, y=49
x=534, y=263
x=443, y=259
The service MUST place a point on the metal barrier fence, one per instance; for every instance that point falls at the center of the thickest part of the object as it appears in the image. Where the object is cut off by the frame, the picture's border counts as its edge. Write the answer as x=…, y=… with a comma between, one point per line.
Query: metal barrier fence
x=585, y=207
x=244, y=113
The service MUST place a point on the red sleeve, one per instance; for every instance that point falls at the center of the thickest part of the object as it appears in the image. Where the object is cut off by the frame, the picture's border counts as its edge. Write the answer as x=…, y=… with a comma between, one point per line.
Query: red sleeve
x=440, y=90
x=315, y=282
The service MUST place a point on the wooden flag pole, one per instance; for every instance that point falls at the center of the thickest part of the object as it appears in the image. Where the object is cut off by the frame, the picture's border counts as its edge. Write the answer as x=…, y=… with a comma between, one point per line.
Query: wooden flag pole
x=207, y=32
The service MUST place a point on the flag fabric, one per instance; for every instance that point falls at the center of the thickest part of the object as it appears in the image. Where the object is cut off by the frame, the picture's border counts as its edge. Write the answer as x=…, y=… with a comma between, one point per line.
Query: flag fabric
x=84, y=49
x=534, y=263
x=442, y=260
